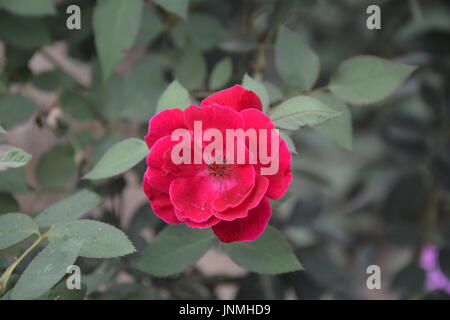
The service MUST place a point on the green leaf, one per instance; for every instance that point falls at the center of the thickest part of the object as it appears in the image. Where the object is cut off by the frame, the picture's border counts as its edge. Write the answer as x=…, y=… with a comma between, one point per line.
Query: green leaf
x=221, y=74
x=100, y=240
x=103, y=144
x=6, y=296
x=257, y=87
x=275, y=93
x=269, y=254
x=368, y=79
x=143, y=86
x=116, y=24
x=14, y=110
x=52, y=80
x=46, y=269
x=13, y=180
x=142, y=220
x=14, y=228
x=8, y=203
x=178, y=7
x=83, y=138
x=104, y=274
x=176, y=248
x=24, y=32
x=27, y=7
x=108, y=98
x=339, y=130
x=296, y=63
x=119, y=158
x=151, y=27
x=175, y=96
x=69, y=209
x=128, y=291
x=2, y=131
x=191, y=68
x=17, y=58
x=288, y=141
x=57, y=168
x=17, y=67
x=12, y=157
x=61, y=292
x=76, y=105
x=3, y=265
x=301, y=111
x=202, y=30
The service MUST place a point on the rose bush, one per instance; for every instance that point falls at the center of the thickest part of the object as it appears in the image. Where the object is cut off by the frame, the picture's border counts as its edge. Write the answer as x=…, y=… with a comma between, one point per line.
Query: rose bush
x=233, y=199
x=75, y=102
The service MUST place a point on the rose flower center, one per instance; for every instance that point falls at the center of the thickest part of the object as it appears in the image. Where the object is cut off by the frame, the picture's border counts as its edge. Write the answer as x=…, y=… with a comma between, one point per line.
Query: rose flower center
x=218, y=170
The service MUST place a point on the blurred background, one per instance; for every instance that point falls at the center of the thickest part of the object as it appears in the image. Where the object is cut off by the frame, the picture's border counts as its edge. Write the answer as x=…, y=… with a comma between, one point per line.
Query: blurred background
x=379, y=196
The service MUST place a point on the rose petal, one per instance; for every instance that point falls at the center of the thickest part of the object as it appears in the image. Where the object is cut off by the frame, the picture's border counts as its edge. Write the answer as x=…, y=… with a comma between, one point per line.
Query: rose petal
x=208, y=223
x=246, y=229
x=156, y=179
x=252, y=200
x=161, y=204
x=235, y=187
x=163, y=124
x=279, y=182
x=236, y=97
x=256, y=119
x=161, y=170
x=213, y=116
x=160, y=153
x=193, y=197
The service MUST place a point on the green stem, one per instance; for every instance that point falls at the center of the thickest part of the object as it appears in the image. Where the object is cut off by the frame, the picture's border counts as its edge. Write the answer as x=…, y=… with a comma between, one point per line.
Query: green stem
x=9, y=271
x=201, y=94
x=267, y=287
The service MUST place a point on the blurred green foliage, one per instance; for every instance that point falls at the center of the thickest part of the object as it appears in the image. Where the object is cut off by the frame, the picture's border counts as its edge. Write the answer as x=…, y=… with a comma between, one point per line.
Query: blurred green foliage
x=371, y=185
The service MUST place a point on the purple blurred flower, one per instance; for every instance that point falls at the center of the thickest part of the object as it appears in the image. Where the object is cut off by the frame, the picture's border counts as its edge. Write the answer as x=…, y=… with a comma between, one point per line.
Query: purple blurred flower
x=429, y=262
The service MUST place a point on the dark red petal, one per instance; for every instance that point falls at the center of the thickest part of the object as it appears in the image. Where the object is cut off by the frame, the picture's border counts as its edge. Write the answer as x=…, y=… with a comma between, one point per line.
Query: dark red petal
x=160, y=203
x=193, y=197
x=213, y=116
x=235, y=187
x=162, y=124
x=161, y=170
x=246, y=229
x=208, y=223
x=160, y=152
x=256, y=119
x=279, y=182
x=253, y=199
x=156, y=179
x=236, y=97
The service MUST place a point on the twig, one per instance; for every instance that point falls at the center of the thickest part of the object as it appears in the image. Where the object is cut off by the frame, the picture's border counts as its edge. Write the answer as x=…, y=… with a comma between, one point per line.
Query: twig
x=8, y=272
x=50, y=58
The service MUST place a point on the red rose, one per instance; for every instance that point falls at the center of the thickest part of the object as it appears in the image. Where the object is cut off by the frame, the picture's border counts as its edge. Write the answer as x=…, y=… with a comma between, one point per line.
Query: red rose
x=231, y=198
